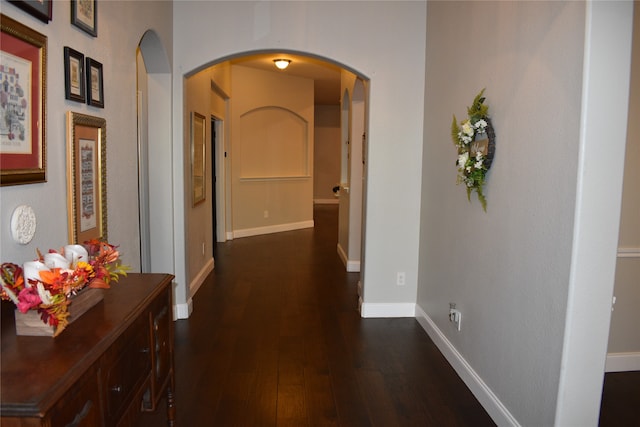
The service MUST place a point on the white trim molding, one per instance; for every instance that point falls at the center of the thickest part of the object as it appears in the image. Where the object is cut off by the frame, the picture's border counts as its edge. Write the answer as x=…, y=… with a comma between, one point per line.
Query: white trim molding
x=201, y=277
x=628, y=252
x=352, y=266
x=326, y=201
x=183, y=311
x=622, y=362
x=487, y=398
x=248, y=232
x=369, y=309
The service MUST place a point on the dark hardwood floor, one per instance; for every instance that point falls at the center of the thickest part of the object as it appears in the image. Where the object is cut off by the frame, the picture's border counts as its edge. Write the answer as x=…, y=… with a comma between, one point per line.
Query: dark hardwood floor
x=275, y=340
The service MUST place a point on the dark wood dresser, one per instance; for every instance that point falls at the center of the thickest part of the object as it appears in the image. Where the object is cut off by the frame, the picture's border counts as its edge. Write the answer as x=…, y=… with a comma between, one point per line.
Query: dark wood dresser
x=107, y=366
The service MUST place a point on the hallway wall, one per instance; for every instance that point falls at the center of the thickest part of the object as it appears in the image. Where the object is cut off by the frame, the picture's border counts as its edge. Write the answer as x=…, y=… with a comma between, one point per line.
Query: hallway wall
x=517, y=272
x=326, y=157
x=624, y=339
x=272, y=121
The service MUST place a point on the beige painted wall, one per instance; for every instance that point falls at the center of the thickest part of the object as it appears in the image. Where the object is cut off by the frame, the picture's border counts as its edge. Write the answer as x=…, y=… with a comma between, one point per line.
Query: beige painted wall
x=508, y=269
x=326, y=149
x=624, y=336
x=262, y=203
x=198, y=218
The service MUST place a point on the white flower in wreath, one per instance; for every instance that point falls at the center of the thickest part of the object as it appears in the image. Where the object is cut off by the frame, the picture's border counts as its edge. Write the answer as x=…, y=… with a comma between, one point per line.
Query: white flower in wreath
x=481, y=125
x=467, y=128
x=462, y=160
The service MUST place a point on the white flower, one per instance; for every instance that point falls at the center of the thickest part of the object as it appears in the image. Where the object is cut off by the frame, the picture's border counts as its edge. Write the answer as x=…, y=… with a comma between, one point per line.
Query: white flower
x=479, y=155
x=462, y=160
x=481, y=125
x=467, y=129
x=468, y=168
x=478, y=164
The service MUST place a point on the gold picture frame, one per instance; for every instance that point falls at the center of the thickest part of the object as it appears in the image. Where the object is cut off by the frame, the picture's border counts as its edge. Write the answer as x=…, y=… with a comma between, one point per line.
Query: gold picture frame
x=198, y=146
x=86, y=177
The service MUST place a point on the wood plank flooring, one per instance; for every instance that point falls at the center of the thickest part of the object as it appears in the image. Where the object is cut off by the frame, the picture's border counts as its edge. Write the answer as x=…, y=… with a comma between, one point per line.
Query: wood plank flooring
x=275, y=340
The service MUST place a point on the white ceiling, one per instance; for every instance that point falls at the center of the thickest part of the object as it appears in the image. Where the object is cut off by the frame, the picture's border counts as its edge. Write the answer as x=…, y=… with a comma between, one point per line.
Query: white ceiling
x=326, y=76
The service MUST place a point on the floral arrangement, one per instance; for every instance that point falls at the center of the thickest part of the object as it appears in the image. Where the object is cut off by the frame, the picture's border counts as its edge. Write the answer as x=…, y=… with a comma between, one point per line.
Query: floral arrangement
x=48, y=283
x=472, y=163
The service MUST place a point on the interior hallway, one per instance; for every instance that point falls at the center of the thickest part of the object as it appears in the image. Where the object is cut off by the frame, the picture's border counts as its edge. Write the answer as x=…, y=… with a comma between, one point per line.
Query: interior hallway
x=275, y=339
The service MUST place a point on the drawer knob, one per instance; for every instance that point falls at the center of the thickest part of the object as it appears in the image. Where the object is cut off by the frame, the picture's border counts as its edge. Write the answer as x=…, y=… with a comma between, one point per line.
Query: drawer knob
x=116, y=389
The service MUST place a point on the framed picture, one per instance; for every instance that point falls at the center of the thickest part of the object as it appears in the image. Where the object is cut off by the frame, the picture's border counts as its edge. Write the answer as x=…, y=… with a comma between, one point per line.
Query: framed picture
x=198, y=145
x=23, y=75
x=86, y=177
x=74, y=81
x=84, y=15
x=41, y=9
x=95, y=93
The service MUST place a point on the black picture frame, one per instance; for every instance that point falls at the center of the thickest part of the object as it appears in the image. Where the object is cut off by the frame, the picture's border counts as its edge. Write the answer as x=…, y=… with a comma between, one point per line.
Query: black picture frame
x=84, y=15
x=74, y=75
x=43, y=10
x=95, y=86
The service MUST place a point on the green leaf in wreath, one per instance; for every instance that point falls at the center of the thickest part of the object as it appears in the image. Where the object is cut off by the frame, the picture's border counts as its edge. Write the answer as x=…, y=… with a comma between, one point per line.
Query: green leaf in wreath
x=478, y=110
x=454, y=130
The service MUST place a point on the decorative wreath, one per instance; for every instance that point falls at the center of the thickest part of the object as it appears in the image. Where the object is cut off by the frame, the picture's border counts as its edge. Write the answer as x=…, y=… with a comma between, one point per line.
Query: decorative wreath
x=475, y=141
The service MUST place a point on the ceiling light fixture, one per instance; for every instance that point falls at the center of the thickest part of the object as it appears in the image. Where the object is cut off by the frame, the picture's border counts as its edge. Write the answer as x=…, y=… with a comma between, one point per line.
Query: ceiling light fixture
x=282, y=63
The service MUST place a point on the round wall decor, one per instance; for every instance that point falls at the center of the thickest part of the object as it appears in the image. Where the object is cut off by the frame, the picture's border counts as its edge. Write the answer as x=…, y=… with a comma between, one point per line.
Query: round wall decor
x=23, y=224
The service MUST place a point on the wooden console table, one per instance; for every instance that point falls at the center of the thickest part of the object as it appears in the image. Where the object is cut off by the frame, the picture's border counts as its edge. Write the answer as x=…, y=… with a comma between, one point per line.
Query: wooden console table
x=113, y=362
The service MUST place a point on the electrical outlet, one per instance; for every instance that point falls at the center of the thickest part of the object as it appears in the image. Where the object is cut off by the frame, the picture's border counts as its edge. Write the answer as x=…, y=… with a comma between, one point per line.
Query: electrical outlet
x=266, y=214
x=401, y=278
x=203, y=248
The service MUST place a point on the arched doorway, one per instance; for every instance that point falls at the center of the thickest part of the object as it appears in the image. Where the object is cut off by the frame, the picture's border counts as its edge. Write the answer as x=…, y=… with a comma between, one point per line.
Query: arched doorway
x=154, y=155
x=204, y=84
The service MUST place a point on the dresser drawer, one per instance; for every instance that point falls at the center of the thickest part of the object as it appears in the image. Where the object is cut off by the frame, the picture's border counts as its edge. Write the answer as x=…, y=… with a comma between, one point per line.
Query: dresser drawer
x=127, y=367
x=161, y=344
x=80, y=407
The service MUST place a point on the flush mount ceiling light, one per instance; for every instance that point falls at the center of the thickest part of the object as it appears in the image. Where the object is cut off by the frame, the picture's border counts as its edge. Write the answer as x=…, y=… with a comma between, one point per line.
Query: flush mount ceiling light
x=282, y=63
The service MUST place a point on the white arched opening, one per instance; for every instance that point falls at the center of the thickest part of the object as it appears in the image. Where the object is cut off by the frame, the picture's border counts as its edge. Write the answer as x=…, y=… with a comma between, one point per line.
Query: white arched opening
x=155, y=156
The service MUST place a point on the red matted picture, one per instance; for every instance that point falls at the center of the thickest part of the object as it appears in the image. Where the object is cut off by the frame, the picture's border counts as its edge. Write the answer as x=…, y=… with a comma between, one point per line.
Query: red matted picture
x=23, y=69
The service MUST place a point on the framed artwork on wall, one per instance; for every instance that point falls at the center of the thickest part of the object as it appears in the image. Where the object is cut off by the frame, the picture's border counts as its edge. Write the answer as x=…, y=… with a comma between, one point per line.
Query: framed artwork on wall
x=74, y=80
x=41, y=9
x=198, y=144
x=84, y=15
x=95, y=92
x=23, y=75
x=86, y=177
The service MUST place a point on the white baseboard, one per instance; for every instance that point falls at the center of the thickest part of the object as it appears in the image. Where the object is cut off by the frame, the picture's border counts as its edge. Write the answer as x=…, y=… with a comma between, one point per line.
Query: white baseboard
x=247, y=232
x=491, y=403
x=622, y=362
x=201, y=277
x=326, y=201
x=183, y=311
x=352, y=266
x=229, y=235
x=368, y=309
